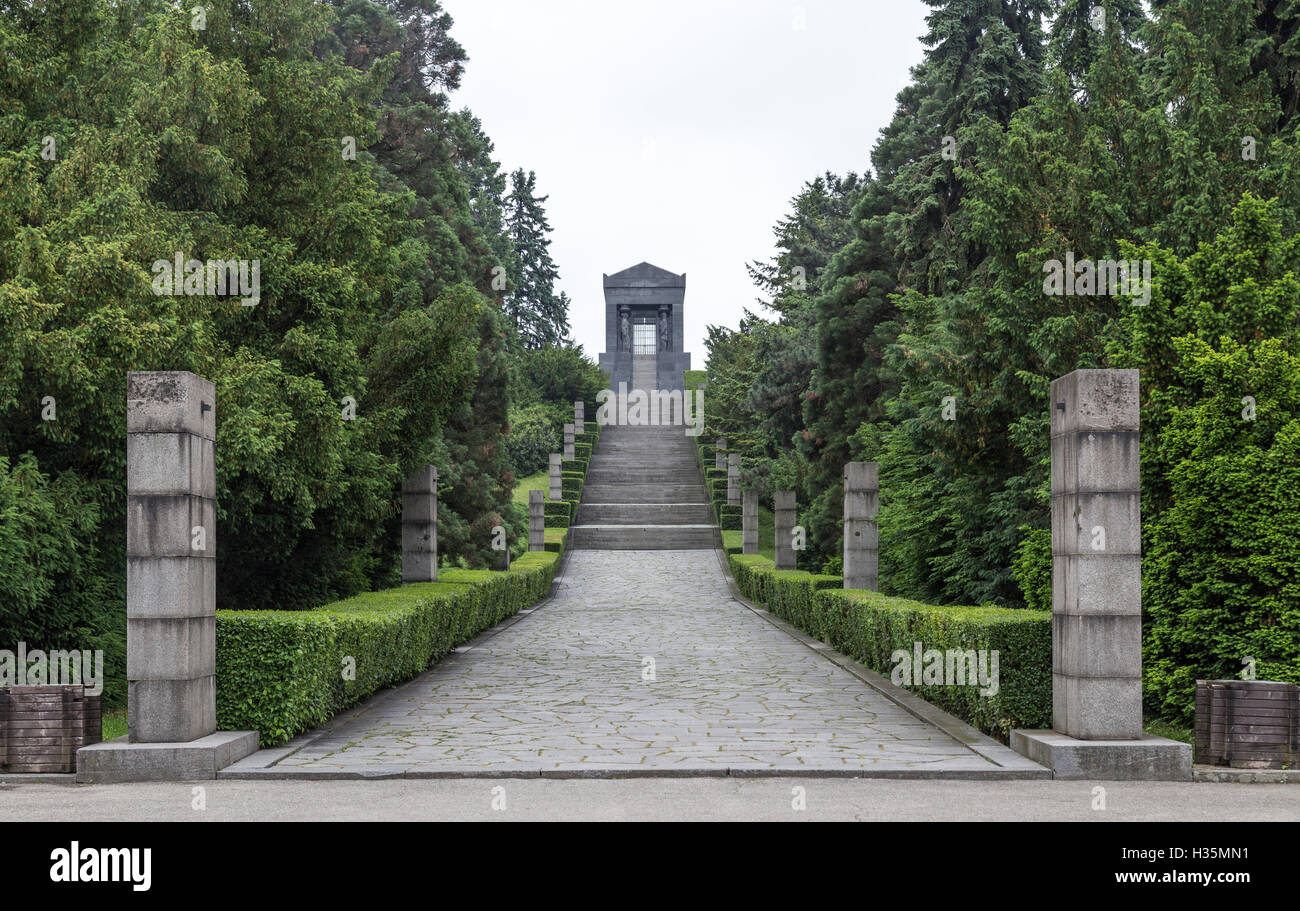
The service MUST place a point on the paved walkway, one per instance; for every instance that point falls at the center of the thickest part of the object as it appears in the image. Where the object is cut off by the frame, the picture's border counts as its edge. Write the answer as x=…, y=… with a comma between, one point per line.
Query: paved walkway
x=643, y=664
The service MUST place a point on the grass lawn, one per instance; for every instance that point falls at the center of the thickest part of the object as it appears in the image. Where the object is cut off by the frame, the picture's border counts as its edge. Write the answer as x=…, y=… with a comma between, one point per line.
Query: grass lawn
x=114, y=725
x=540, y=481
x=766, y=535
x=1161, y=728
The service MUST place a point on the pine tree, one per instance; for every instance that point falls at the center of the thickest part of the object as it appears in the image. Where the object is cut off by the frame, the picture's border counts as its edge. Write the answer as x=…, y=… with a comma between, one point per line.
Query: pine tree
x=539, y=315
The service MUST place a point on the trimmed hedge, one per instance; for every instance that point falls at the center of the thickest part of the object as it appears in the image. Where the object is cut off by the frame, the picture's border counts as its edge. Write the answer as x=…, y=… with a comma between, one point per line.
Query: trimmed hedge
x=582, y=452
x=559, y=513
x=573, y=466
x=730, y=518
x=572, y=486
x=282, y=672
x=870, y=627
x=556, y=540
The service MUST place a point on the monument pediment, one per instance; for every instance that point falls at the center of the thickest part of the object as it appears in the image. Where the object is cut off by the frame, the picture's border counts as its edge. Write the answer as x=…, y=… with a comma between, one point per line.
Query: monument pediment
x=645, y=275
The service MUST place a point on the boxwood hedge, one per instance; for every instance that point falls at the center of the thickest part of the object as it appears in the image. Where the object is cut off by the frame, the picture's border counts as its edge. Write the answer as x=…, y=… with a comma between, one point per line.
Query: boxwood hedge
x=869, y=627
x=285, y=672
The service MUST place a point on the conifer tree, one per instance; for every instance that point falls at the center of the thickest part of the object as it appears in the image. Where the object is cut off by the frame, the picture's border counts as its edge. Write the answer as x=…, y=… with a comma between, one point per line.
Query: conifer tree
x=540, y=316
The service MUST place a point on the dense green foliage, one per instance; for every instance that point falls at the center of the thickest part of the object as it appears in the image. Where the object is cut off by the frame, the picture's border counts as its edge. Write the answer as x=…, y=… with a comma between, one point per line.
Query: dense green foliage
x=284, y=672
x=910, y=319
x=316, y=139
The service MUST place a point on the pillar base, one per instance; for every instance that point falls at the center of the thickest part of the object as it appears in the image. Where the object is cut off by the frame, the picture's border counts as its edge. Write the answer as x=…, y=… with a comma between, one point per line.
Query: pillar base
x=117, y=760
x=1148, y=758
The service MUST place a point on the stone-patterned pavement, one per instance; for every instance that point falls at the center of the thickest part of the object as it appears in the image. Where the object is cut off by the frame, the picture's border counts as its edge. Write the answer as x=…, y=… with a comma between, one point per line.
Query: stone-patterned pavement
x=642, y=664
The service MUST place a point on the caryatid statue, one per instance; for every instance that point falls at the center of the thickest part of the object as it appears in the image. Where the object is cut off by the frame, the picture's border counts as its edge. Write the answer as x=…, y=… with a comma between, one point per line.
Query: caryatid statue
x=624, y=331
x=663, y=331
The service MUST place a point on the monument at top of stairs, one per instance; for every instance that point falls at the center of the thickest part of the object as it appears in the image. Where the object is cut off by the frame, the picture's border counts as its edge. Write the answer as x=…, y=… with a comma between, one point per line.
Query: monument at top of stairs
x=644, y=328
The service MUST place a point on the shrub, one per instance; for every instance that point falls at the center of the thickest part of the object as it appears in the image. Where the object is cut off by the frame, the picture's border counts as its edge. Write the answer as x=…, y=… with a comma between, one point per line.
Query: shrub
x=558, y=513
x=282, y=672
x=533, y=437
x=730, y=518
x=1033, y=567
x=572, y=483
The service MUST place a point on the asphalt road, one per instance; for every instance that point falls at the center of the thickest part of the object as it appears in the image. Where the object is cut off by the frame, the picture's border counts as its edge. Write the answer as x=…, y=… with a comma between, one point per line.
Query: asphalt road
x=650, y=799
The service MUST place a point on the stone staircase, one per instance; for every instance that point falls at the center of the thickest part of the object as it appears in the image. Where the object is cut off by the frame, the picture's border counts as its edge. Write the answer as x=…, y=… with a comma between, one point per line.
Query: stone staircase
x=644, y=491
x=645, y=371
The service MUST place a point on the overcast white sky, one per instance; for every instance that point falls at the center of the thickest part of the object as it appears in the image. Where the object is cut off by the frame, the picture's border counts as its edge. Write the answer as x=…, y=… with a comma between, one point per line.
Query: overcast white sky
x=677, y=131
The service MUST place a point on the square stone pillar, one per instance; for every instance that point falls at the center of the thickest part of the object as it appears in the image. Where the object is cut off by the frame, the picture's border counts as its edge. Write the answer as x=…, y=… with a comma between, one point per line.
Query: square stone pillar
x=420, y=526
x=733, y=479
x=171, y=551
x=785, y=522
x=536, y=521
x=720, y=454
x=1096, y=556
x=580, y=416
x=749, y=521
x=1097, y=591
x=861, y=532
x=568, y=443
x=557, y=484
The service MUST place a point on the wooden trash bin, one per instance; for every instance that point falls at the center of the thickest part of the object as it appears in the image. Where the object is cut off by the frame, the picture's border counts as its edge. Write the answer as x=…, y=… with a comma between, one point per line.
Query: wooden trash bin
x=1247, y=724
x=42, y=727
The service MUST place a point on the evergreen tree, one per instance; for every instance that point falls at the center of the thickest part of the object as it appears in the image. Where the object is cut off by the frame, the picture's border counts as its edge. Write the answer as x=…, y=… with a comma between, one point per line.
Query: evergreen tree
x=539, y=315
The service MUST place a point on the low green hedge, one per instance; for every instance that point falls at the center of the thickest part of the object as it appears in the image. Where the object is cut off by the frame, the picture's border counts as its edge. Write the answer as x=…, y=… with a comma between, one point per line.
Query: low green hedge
x=556, y=539
x=282, y=672
x=871, y=628
x=582, y=452
x=730, y=518
x=574, y=466
x=572, y=486
x=559, y=513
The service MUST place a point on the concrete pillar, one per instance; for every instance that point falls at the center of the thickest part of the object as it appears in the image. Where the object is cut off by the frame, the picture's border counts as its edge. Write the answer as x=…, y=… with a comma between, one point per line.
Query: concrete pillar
x=733, y=479
x=420, y=526
x=785, y=522
x=749, y=521
x=580, y=416
x=557, y=485
x=536, y=521
x=171, y=551
x=720, y=454
x=1096, y=556
x=568, y=443
x=861, y=533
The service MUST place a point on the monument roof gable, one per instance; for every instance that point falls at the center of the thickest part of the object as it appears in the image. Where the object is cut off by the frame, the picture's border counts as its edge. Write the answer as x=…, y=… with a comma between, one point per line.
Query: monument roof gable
x=646, y=274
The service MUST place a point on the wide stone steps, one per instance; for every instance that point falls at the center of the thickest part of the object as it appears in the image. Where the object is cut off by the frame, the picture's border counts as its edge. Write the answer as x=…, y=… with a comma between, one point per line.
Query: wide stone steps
x=644, y=491
x=645, y=514
x=652, y=474
x=644, y=537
